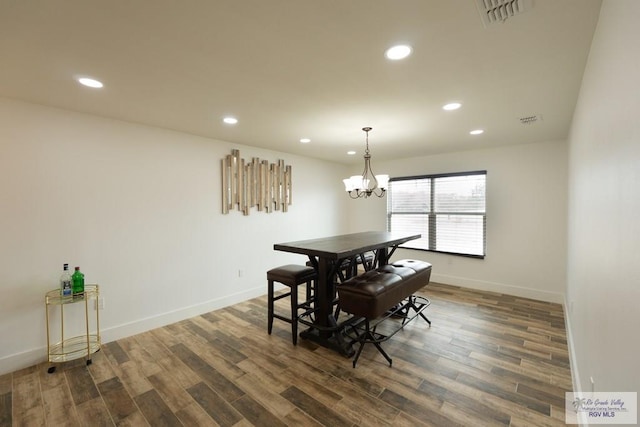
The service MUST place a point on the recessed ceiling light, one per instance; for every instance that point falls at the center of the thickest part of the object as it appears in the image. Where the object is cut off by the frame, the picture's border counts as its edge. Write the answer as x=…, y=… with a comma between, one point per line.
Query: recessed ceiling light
x=351, y=153
x=476, y=132
x=90, y=82
x=230, y=120
x=452, y=106
x=400, y=51
x=305, y=140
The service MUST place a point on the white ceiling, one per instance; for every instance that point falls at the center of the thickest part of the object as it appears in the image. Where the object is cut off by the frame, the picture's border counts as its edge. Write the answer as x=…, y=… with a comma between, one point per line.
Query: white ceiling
x=289, y=69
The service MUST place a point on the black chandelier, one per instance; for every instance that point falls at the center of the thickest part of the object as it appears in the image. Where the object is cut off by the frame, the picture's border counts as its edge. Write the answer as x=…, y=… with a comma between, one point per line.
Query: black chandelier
x=366, y=184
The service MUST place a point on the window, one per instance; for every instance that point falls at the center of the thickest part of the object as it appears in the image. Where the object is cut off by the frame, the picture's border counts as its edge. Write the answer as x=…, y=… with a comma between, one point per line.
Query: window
x=449, y=211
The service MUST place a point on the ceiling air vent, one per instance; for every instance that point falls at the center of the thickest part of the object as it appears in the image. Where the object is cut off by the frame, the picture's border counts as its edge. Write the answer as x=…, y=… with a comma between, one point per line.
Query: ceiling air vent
x=497, y=11
x=529, y=120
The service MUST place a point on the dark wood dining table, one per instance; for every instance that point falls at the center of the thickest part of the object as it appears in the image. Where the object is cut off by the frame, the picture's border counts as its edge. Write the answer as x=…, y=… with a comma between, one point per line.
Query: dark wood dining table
x=327, y=255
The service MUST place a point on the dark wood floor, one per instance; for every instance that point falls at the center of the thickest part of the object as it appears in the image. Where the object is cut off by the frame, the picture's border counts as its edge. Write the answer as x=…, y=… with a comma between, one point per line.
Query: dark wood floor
x=488, y=359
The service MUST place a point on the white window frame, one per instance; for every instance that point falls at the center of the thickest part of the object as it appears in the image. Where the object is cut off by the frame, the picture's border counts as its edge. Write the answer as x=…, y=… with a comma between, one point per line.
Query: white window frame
x=429, y=226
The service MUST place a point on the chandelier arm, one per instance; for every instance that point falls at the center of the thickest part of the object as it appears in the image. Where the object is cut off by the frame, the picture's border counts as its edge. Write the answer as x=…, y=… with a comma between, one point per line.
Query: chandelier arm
x=380, y=192
x=368, y=181
x=365, y=171
x=368, y=176
x=356, y=194
x=375, y=180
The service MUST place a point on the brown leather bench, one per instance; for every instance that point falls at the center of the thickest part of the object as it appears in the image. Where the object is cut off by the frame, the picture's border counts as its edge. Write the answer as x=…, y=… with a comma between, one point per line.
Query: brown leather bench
x=383, y=292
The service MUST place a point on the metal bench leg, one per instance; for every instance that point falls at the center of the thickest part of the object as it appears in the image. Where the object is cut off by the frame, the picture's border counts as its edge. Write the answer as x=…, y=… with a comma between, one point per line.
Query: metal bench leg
x=425, y=318
x=355, y=359
x=369, y=337
x=384, y=353
x=412, y=303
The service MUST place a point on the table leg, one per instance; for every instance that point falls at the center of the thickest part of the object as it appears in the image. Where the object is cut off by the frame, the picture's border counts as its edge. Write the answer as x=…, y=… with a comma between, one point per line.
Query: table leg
x=383, y=257
x=326, y=330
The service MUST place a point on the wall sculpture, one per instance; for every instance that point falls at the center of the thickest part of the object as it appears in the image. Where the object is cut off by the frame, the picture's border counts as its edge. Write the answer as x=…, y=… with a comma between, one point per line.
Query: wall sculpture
x=255, y=183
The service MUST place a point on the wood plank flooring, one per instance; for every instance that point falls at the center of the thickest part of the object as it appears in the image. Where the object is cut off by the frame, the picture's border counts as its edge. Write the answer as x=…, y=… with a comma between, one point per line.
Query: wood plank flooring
x=488, y=359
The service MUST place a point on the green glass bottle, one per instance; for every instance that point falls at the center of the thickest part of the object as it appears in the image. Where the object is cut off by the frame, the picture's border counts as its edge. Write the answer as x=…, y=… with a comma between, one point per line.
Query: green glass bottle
x=78, y=282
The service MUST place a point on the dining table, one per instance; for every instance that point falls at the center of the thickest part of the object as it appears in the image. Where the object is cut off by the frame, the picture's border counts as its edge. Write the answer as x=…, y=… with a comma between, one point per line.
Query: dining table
x=329, y=256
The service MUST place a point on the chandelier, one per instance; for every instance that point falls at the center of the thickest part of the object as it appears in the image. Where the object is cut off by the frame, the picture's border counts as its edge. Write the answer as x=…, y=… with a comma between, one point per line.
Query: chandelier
x=366, y=184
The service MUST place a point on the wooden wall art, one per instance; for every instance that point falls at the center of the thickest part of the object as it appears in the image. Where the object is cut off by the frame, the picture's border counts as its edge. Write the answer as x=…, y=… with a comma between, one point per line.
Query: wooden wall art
x=255, y=183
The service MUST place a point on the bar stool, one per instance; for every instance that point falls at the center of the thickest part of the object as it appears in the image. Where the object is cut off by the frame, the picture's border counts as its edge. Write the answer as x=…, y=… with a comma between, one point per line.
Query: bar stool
x=290, y=275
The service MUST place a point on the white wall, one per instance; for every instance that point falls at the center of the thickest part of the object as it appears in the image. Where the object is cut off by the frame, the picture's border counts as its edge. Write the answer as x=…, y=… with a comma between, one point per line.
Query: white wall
x=526, y=218
x=138, y=208
x=604, y=205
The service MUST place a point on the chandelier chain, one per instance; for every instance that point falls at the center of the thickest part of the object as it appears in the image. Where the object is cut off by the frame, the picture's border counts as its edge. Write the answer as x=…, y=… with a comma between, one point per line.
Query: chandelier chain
x=367, y=129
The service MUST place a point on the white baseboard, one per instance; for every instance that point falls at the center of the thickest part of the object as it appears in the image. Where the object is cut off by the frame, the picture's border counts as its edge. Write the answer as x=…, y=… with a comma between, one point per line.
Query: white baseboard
x=14, y=362
x=575, y=375
x=575, y=378
x=36, y=356
x=146, y=324
x=501, y=288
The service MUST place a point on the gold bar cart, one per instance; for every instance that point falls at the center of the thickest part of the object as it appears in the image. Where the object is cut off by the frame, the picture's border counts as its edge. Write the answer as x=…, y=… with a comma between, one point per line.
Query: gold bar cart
x=78, y=346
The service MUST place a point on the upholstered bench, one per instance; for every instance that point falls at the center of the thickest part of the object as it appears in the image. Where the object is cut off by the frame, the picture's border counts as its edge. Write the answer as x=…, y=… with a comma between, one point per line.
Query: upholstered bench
x=384, y=292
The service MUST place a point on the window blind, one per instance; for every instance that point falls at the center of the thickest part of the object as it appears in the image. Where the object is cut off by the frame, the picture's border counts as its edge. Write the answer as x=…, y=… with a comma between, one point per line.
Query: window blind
x=448, y=210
